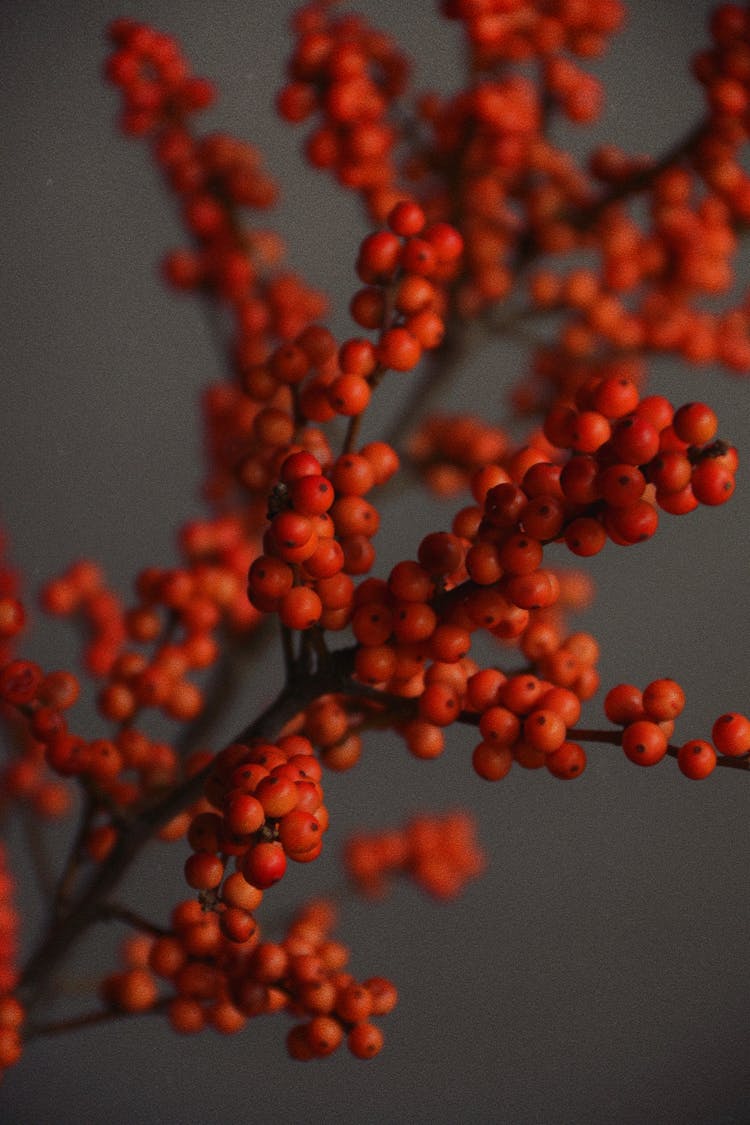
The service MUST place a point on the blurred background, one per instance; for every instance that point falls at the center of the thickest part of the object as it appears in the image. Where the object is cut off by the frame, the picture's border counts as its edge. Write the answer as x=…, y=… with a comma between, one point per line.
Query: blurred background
x=598, y=972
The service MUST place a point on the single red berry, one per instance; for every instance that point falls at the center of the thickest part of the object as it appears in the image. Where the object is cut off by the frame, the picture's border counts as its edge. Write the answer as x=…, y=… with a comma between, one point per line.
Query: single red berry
x=264, y=864
x=365, y=1040
x=712, y=483
x=663, y=700
x=635, y=440
x=243, y=812
x=695, y=423
x=406, y=218
x=378, y=257
x=567, y=762
x=696, y=759
x=731, y=734
x=399, y=350
x=301, y=608
x=644, y=743
x=203, y=871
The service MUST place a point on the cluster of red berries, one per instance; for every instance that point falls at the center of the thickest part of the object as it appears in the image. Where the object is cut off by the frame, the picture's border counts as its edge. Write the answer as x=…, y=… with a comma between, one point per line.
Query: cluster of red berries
x=487, y=157
x=627, y=455
x=311, y=380
x=526, y=720
x=724, y=72
x=649, y=292
x=214, y=177
x=398, y=628
x=428, y=610
x=337, y=1007
x=247, y=435
x=320, y=533
x=482, y=144
x=406, y=270
x=81, y=591
x=333, y=724
x=657, y=281
x=264, y=805
x=502, y=32
x=214, y=983
x=439, y=853
x=177, y=615
x=626, y=448
x=32, y=706
x=349, y=74
x=118, y=771
x=154, y=77
x=448, y=449
x=289, y=391
x=647, y=718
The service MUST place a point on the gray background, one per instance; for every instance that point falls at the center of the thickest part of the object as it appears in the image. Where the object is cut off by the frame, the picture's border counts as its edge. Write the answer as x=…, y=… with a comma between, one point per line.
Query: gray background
x=599, y=970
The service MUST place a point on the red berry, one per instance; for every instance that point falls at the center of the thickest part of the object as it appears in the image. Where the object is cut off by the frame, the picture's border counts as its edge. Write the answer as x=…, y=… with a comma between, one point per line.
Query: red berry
x=644, y=743
x=712, y=483
x=696, y=759
x=731, y=734
x=264, y=864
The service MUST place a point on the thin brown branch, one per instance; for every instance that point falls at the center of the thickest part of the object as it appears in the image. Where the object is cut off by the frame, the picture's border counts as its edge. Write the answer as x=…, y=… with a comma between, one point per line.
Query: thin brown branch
x=86, y=1019
x=639, y=180
x=113, y=911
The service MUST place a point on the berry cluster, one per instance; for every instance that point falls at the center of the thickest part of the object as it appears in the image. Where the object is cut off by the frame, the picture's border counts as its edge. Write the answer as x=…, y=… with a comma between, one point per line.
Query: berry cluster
x=448, y=449
x=178, y=615
x=415, y=632
x=209, y=981
x=270, y=807
x=32, y=706
x=334, y=724
x=526, y=720
x=153, y=76
x=628, y=455
x=349, y=74
x=439, y=853
x=647, y=718
x=723, y=72
x=531, y=31
x=319, y=535
x=406, y=269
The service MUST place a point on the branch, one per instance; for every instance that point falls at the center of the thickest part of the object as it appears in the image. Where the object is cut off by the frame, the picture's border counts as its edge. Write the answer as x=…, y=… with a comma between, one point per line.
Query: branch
x=637, y=181
x=87, y=1019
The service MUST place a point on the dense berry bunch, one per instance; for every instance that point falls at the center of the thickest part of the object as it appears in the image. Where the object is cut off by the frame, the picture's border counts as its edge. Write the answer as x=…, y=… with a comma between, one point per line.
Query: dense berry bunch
x=154, y=77
x=440, y=853
x=202, y=978
x=349, y=74
x=499, y=31
x=270, y=807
